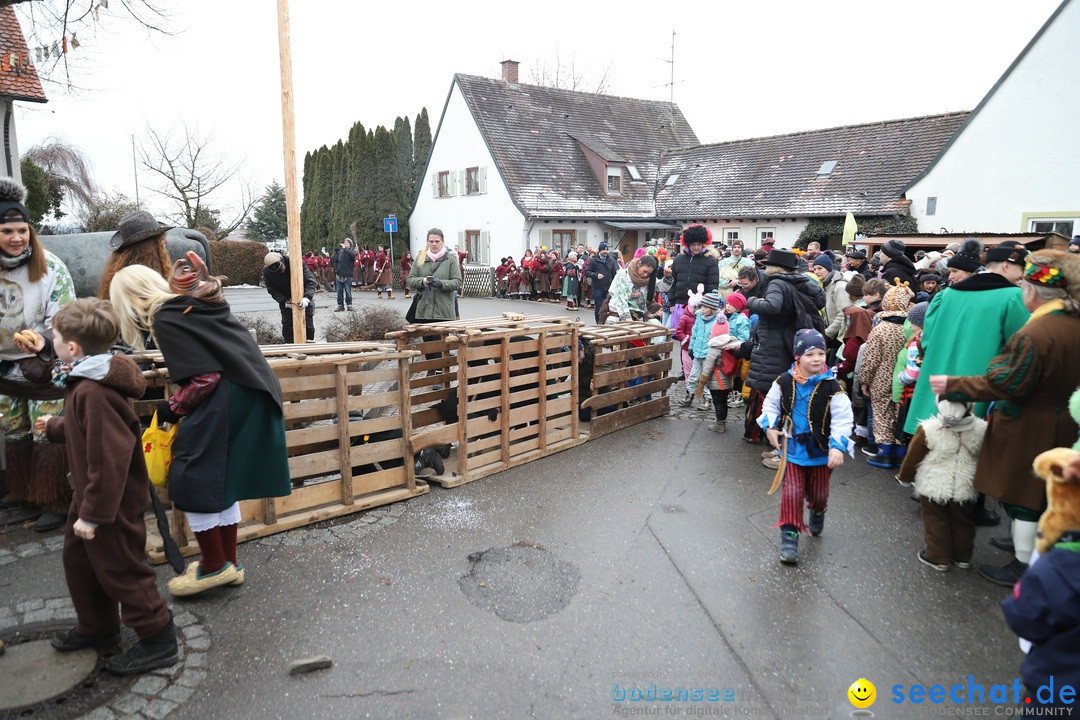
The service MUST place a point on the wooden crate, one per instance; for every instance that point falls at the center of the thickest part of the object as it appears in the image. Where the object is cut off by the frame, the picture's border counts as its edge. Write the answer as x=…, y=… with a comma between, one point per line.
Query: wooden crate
x=521, y=398
x=630, y=375
x=337, y=468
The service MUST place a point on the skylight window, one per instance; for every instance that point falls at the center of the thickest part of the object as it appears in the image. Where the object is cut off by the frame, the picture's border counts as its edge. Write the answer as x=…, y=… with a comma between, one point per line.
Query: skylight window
x=634, y=174
x=826, y=169
x=672, y=179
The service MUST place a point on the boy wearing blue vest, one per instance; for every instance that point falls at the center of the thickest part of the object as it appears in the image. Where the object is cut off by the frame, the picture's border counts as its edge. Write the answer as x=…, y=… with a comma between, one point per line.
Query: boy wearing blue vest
x=809, y=399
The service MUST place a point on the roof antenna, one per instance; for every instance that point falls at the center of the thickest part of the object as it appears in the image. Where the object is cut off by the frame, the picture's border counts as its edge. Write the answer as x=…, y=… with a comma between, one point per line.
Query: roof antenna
x=671, y=84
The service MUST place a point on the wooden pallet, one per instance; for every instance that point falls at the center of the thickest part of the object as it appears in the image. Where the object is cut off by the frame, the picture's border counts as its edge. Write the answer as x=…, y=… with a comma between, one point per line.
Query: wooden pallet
x=630, y=375
x=337, y=473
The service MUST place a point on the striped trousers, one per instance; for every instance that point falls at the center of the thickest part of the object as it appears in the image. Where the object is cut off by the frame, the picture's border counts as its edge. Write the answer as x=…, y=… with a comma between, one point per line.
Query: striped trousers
x=811, y=483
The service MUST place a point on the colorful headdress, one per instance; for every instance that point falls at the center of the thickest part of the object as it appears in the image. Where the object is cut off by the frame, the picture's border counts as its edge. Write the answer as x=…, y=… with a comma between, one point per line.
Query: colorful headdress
x=1042, y=274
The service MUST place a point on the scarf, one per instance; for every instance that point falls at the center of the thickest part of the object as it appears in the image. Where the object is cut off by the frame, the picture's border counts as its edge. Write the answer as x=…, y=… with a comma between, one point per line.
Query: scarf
x=436, y=257
x=11, y=263
x=62, y=370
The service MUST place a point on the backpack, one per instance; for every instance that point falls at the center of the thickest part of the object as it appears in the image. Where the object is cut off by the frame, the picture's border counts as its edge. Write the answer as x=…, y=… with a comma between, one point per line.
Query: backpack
x=806, y=314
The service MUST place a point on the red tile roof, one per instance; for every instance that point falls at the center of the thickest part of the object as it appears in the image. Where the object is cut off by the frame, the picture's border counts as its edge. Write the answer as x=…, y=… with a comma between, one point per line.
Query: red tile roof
x=18, y=82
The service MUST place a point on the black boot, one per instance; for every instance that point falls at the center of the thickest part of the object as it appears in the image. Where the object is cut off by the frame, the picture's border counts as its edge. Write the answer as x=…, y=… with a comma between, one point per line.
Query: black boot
x=72, y=640
x=154, y=652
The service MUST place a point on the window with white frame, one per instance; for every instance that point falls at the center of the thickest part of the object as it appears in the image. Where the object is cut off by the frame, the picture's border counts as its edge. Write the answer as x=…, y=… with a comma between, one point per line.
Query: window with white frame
x=443, y=184
x=477, y=245
x=764, y=234
x=1061, y=226
x=730, y=236
x=614, y=180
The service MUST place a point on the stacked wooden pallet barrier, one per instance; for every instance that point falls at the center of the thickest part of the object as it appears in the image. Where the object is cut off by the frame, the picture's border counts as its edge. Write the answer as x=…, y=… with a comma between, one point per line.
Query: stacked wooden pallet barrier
x=356, y=414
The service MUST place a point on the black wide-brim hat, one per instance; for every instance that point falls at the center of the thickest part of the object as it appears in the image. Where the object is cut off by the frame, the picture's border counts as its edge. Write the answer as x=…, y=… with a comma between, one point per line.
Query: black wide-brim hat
x=784, y=258
x=136, y=227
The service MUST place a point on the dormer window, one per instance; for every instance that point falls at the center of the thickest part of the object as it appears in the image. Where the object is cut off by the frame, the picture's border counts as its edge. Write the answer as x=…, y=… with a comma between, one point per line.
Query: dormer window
x=614, y=180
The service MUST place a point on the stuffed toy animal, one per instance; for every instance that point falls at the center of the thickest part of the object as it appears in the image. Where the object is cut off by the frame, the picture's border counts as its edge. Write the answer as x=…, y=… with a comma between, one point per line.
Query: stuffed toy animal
x=1062, y=496
x=693, y=299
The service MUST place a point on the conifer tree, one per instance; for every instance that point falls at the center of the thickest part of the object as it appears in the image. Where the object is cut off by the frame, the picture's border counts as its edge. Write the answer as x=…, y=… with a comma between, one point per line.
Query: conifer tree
x=270, y=220
x=421, y=149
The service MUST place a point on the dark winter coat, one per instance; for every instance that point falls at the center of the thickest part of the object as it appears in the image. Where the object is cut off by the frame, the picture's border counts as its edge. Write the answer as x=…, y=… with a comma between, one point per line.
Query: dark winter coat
x=1044, y=609
x=900, y=267
x=606, y=266
x=279, y=284
x=344, y=262
x=774, y=338
x=687, y=271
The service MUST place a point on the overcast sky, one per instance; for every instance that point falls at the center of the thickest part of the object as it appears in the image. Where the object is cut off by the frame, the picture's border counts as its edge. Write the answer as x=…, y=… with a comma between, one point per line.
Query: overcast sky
x=741, y=70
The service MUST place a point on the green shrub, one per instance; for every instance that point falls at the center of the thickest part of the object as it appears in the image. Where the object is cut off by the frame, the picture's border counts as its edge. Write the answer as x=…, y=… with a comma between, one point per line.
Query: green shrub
x=368, y=323
x=239, y=260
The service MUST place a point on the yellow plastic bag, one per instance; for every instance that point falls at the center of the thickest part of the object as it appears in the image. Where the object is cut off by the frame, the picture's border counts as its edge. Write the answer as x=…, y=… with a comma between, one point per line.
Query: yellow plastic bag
x=157, y=448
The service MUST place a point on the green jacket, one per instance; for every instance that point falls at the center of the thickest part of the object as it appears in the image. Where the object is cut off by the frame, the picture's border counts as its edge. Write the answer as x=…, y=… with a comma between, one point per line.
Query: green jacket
x=435, y=304
x=967, y=325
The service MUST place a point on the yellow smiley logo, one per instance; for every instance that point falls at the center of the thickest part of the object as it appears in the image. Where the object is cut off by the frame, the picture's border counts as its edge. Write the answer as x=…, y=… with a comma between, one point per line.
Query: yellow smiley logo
x=862, y=693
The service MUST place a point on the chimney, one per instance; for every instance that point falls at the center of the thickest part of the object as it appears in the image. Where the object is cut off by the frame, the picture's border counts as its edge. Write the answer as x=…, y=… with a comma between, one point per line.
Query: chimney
x=510, y=71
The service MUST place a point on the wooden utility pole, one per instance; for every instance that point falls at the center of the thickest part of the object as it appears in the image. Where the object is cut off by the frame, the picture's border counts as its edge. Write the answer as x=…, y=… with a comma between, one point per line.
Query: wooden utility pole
x=292, y=200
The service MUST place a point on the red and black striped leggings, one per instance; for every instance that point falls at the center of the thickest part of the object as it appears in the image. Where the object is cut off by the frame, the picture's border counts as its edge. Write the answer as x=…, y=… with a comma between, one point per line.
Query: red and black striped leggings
x=801, y=482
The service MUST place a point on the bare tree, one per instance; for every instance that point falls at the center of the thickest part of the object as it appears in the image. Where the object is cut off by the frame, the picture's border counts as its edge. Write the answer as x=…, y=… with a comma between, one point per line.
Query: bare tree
x=44, y=22
x=190, y=172
x=67, y=168
x=567, y=76
x=105, y=211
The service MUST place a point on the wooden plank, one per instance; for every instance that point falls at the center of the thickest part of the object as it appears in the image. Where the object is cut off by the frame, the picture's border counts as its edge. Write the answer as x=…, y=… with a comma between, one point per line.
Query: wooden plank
x=620, y=419
x=626, y=394
x=345, y=468
x=619, y=376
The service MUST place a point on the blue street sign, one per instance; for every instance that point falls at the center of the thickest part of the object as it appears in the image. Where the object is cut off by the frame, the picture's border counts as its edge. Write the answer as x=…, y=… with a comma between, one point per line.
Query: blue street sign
x=389, y=224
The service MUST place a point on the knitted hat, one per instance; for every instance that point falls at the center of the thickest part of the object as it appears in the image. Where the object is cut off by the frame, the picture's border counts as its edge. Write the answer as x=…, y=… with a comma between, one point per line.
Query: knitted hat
x=602, y=247
x=12, y=197
x=824, y=261
x=929, y=276
x=271, y=259
x=855, y=286
x=736, y=300
x=855, y=255
x=807, y=339
x=1075, y=241
x=783, y=258
x=711, y=300
x=894, y=248
x=967, y=257
x=1008, y=251
x=720, y=327
x=917, y=314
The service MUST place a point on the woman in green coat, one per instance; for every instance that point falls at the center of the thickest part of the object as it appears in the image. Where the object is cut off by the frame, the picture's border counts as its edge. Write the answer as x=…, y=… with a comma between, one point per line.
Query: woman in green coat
x=436, y=279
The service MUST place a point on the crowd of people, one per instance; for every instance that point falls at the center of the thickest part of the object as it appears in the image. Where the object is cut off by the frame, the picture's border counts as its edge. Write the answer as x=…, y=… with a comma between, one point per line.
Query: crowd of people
x=950, y=370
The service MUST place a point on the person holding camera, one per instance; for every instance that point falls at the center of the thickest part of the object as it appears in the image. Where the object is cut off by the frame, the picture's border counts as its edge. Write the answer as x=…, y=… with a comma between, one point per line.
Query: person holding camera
x=343, y=262
x=437, y=274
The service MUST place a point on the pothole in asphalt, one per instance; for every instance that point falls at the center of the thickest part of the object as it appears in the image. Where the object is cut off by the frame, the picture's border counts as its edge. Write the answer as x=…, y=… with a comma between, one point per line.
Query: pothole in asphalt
x=521, y=583
x=40, y=683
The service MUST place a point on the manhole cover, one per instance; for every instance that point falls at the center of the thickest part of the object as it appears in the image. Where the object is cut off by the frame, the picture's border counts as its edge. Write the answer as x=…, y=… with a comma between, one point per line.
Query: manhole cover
x=41, y=683
x=520, y=583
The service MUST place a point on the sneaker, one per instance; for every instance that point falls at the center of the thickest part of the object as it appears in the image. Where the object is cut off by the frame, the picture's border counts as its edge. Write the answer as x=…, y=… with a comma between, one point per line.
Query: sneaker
x=962, y=564
x=1003, y=543
x=686, y=400
x=718, y=427
x=930, y=563
x=789, y=547
x=870, y=449
x=1007, y=575
x=772, y=463
x=702, y=404
x=735, y=401
x=193, y=583
x=817, y=522
x=339, y=308
x=770, y=454
x=72, y=640
x=154, y=652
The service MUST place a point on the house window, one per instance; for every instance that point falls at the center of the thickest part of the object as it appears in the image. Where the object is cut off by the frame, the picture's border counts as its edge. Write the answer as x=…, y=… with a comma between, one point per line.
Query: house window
x=672, y=179
x=472, y=181
x=562, y=240
x=614, y=181
x=634, y=174
x=764, y=234
x=472, y=246
x=1061, y=227
x=444, y=183
x=931, y=205
x=731, y=236
x=826, y=169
